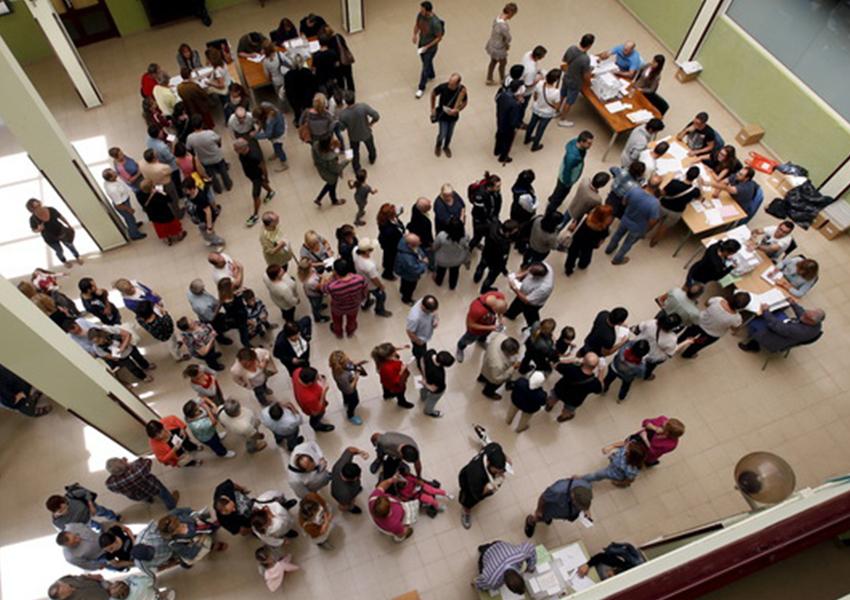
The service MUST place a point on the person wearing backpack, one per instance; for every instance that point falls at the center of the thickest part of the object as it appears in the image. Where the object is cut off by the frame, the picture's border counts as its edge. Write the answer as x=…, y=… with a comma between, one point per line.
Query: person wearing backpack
x=485, y=196
x=428, y=32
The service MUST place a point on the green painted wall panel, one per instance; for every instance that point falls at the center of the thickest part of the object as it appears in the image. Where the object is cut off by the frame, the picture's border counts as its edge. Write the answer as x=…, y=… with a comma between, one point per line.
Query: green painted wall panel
x=669, y=20
x=129, y=15
x=797, y=125
x=23, y=35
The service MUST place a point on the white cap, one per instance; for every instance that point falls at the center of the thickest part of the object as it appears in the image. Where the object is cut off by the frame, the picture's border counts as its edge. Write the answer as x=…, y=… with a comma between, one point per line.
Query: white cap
x=536, y=380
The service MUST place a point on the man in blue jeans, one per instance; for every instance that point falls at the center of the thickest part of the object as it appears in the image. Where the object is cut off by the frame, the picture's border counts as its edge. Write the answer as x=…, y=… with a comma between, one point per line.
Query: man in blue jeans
x=427, y=34
x=572, y=166
x=642, y=211
x=135, y=481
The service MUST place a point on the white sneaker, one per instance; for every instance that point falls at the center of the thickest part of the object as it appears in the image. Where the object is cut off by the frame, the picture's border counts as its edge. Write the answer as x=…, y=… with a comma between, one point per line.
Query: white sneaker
x=565, y=123
x=419, y=94
x=459, y=354
x=230, y=454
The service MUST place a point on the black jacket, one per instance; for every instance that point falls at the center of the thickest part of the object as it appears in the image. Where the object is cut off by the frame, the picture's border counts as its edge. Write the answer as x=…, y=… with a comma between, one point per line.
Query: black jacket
x=284, y=352
x=497, y=248
x=486, y=205
x=526, y=399
x=508, y=111
x=421, y=226
x=711, y=267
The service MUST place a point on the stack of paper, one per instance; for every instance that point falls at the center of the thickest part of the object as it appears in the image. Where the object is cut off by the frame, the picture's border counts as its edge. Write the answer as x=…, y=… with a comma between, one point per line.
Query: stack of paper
x=617, y=106
x=609, y=65
x=774, y=299
x=741, y=233
x=640, y=116
x=678, y=151
x=663, y=166
x=545, y=583
x=772, y=276
x=570, y=557
x=713, y=216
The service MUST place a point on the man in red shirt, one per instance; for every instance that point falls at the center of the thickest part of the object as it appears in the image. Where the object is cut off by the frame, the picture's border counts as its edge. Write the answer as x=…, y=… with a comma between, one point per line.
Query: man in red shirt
x=347, y=291
x=484, y=315
x=310, y=390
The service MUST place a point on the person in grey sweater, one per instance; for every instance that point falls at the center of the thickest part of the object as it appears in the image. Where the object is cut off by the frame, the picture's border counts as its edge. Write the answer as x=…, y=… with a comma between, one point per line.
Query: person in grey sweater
x=330, y=167
x=639, y=140
x=451, y=250
x=358, y=118
x=777, y=332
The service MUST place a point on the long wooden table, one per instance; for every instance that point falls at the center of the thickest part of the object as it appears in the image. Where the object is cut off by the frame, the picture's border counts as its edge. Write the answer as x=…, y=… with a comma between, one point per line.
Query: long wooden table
x=753, y=281
x=619, y=122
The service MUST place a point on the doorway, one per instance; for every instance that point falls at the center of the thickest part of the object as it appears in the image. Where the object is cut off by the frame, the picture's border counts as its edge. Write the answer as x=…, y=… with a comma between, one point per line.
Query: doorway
x=87, y=21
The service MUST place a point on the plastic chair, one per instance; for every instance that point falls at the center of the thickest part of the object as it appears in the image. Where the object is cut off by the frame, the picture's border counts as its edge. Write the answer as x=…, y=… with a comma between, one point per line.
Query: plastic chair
x=785, y=353
x=758, y=200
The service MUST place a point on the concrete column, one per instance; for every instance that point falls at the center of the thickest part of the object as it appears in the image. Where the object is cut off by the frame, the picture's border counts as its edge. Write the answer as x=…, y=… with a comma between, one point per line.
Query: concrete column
x=839, y=181
x=353, y=18
x=35, y=129
x=38, y=351
x=50, y=22
x=706, y=15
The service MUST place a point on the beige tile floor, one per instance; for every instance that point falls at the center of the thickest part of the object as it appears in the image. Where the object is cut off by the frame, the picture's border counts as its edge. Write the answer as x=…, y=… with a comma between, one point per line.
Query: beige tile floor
x=797, y=408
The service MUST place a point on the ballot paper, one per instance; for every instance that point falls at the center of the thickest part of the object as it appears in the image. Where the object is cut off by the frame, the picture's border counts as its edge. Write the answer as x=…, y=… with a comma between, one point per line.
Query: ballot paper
x=617, y=106
x=329, y=262
x=255, y=58
x=774, y=299
x=697, y=206
x=640, y=116
x=314, y=46
x=663, y=166
x=728, y=211
x=713, y=216
x=545, y=583
x=570, y=557
x=678, y=151
x=579, y=583
x=418, y=382
x=772, y=276
x=609, y=65
x=585, y=520
x=349, y=154
x=741, y=233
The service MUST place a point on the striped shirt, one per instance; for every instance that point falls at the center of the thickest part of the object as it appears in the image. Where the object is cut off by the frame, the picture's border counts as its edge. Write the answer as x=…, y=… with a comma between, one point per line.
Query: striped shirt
x=500, y=557
x=346, y=293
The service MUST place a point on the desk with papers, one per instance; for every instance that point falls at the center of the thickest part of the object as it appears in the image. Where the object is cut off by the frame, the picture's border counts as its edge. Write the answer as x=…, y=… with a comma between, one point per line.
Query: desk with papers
x=555, y=576
x=254, y=74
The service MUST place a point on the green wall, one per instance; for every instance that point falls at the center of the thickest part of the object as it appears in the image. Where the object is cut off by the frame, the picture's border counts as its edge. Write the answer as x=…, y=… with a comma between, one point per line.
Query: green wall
x=669, y=20
x=129, y=15
x=798, y=127
x=23, y=35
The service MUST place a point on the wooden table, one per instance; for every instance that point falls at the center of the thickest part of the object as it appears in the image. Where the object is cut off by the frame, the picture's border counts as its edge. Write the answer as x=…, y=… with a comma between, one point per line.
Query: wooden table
x=619, y=122
x=752, y=282
x=546, y=557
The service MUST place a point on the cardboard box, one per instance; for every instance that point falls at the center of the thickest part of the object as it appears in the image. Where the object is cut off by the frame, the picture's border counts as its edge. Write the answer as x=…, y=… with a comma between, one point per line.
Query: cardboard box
x=749, y=134
x=830, y=231
x=780, y=182
x=688, y=71
x=684, y=77
x=820, y=221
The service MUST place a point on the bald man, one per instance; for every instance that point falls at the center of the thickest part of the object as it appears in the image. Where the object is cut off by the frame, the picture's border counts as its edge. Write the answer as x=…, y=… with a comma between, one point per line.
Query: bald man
x=777, y=331
x=410, y=264
x=579, y=378
x=484, y=316
x=628, y=59
x=420, y=223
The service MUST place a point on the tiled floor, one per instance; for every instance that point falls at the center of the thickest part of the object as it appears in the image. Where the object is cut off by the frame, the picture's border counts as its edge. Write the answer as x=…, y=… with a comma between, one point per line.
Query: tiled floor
x=798, y=408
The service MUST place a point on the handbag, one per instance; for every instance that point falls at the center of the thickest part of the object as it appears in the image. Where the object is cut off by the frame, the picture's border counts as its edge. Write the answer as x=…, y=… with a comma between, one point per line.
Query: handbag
x=346, y=58
x=565, y=239
x=304, y=133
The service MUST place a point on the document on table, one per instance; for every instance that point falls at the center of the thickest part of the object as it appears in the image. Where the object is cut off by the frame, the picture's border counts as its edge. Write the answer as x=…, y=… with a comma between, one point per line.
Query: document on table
x=713, y=216
x=640, y=116
x=571, y=557
x=727, y=210
x=697, y=206
x=579, y=583
x=663, y=166
x=255, y=58
x=774, y=299
x=772, y=275
x=741, y=233
x=678, y=151
x=617, y=106
x=546, y=583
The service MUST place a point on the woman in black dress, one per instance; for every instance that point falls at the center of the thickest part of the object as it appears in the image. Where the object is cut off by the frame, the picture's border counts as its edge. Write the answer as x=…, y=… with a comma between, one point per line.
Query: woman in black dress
x=390, y=232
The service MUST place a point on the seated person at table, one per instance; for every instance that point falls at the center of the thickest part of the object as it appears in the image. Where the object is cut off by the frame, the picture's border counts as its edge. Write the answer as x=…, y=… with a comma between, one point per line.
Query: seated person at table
x=250, y=43
x=311, y=25
x=627, y=58
x=777, y=331
x=285, y=31
x=714, y=264
x=776, y=239
x=674, y=199
x=723, y=162
x=800, y=274
x=501, y=563
x=651, y=155
x=613, y=560
x=699, y=136
x=742, y=187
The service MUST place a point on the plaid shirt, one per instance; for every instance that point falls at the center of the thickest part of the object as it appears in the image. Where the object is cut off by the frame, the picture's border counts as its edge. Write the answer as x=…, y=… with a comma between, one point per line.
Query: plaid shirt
x=162, y=551
x=137, y=482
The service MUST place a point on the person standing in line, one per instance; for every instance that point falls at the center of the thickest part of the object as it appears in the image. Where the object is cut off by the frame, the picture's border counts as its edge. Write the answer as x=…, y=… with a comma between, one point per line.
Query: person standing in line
x=421, y=322
x=509, y=103
x=676, y=195
x=202, y=422
x=329, y=167
x=433, y=367
x=447, y=100
x=120, y=193
x=624, y=181
x=602, y=338
x=271, y=126
x=345, y=480
x=284, y=421
x=276, y=249
x=660, y=435
x=428, y=32
x=80, y=587
x=544, y=237
x=639, y=140
x=308, y=469
x=347, y=374
x=205, y=210
x=390, y=232
x=359, y=118
x=499, y=43
x=451, y=251
x=365, y=266
x=501, y=361
x=254, y=168
x=682, y=302
x=316, y=520
x=572, y=166
x=494, y=257
x=448, y=205
x=482, y=476
x=81, y=548
x=586, y=198
x=485, y=196
x=410, y=264
x=163, y=153
x=625, y=461
x=208, y=309
x=310, y=391
x=243, y=422
x=393, y=448
x=387, y=511
x=347, y=290
x=282, y=289
x=54, y=228
x=719, y=318
x=527, y=397
x=588, y=236
x=546, y=98
x=169, y=441
x=392, y=372
x=199, y=339
x=160, y=212
x=576, y=64
x=252, y=369
x=565, y=499
x=532, y=287
x=292, y=345
x=241, y=123
x=420, y=223
x=135, y=481
x=77, y=505
x=629, y=364
x=579, y=378
x=640, y=215
x=96, y=300
x=114, y=344
x=483, y=317
x=660, y=333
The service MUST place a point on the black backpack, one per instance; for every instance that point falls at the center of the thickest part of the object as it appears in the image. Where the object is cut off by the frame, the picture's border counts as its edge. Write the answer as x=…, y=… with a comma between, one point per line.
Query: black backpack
x=630, y=555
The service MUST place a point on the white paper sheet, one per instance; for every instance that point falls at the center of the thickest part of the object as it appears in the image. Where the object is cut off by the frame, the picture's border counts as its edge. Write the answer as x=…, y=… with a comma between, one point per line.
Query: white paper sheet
x=580, y=583
x=663, y=166
x=571, y=557
x=640, y=116
x=678, y=151
x=713, y=216
x=255, y=58
x=616, y=106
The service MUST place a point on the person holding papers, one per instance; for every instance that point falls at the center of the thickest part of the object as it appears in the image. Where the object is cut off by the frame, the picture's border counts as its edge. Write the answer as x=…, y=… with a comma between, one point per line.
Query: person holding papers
x=719, y=318
x=742, y=187
x=640, y=215
x=650, y=156
x=776, y=239
x=501, y=563
x=675, y=197
x=639, y=140
x=714, y=264
x=777, y=332
x=628, y=59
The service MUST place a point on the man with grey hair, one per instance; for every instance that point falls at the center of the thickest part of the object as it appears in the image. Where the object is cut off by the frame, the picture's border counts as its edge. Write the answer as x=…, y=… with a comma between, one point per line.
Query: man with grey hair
x=254, y=166
x=135, y=481
x=208, y=310
x=79, y=587
x=420, y=223
x=778, y=332
x=410, y=264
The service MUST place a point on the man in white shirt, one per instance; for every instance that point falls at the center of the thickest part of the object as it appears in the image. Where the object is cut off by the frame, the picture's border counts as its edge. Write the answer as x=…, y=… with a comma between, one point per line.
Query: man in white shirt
x=365, y=266
x=283, y=290
x=224, y=266
x=532, y=287
x=650, y=156
x=776, y=239
x=531, y=74
x=308, y=469
x=271, y=520
x=719, y=318
x=119, y=193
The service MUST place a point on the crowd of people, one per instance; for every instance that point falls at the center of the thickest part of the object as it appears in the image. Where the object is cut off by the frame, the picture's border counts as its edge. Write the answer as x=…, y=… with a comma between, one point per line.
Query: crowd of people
x=537, y=363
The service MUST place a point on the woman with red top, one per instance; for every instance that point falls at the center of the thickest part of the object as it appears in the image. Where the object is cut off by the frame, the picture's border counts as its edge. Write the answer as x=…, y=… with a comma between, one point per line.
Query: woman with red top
x=310, y=390
x=661, y=435
x=170, y=443
x=150, y=79
x=392, y=371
